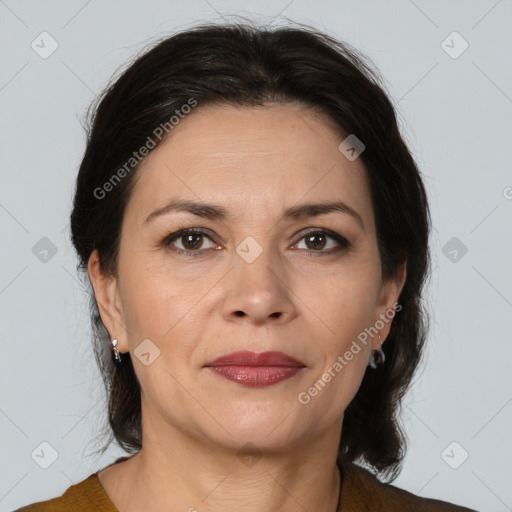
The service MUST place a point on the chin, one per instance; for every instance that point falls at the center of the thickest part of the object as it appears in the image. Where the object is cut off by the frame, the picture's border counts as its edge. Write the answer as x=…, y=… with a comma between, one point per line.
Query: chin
x=264, y=434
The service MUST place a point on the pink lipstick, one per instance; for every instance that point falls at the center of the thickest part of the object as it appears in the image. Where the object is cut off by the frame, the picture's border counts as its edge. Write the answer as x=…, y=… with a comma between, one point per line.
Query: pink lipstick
x=256, y=370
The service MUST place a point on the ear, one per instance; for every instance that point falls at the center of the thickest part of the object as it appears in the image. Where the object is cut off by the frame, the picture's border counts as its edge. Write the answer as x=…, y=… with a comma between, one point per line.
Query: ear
x=390, y=292
x=106, y=291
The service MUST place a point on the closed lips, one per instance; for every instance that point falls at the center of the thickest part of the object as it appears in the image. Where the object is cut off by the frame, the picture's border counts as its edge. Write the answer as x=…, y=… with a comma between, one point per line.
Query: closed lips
x=246, y=358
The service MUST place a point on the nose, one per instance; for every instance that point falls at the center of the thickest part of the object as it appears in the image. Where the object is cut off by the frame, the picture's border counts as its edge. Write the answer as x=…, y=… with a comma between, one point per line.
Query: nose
x=259, y=291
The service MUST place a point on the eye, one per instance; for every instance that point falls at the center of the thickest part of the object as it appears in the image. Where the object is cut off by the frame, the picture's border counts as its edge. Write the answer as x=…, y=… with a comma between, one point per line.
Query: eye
x=316, y=241
x=191, y=240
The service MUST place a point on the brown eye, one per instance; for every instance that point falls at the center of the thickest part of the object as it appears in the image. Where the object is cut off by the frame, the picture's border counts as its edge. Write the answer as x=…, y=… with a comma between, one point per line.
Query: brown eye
x=191, y=240
x=317, y=241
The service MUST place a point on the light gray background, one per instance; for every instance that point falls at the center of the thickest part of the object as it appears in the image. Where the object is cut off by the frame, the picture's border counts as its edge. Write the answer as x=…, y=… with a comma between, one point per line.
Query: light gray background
x=456, y=116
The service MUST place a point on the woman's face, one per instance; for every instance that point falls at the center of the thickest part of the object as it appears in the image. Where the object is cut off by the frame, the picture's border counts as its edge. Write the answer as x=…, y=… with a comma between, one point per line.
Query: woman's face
x=256, y=280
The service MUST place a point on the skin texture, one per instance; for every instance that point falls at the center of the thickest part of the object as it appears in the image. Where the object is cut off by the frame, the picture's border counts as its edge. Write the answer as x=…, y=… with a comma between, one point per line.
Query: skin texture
x=256, y=162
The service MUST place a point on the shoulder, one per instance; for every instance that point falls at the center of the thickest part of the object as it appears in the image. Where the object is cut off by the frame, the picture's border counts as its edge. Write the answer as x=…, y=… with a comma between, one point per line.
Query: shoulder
x=364, y=491
x=83, y=496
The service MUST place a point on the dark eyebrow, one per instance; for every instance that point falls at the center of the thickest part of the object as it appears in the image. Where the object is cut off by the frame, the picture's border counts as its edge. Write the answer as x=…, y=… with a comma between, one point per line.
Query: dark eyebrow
x=217, y=212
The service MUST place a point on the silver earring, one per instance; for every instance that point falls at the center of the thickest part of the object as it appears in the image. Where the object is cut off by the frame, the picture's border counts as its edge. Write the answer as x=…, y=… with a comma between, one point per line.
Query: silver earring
x=377, y=358
x=116, y=354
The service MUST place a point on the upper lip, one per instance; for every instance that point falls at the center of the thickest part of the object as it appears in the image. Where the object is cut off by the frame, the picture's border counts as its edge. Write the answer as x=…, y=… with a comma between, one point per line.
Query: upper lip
x=246, y=358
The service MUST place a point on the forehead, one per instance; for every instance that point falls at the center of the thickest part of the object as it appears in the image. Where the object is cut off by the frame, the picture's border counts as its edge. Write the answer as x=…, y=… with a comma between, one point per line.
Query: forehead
x=252, y=159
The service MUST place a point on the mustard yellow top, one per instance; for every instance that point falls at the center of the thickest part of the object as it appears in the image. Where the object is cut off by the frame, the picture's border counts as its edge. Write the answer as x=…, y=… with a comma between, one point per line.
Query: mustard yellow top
x=360, y=491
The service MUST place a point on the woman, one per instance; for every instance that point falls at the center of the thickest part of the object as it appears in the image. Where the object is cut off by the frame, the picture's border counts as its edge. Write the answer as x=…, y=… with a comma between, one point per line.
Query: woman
x=255, y=232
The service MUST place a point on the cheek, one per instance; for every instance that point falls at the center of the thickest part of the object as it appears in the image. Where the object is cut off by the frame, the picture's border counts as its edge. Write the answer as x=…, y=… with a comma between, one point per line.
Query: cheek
x=345, y=303
x=152, y=299
x=147, y=304
x=165, y=310
x=345, y=309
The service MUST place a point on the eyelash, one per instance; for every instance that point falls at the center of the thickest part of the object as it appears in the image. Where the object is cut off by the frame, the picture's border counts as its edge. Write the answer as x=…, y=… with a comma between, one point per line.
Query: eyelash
x=344, y=244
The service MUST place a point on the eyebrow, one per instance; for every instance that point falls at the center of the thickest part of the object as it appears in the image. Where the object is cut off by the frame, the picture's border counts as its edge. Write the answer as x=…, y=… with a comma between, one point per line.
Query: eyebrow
x=217, y=212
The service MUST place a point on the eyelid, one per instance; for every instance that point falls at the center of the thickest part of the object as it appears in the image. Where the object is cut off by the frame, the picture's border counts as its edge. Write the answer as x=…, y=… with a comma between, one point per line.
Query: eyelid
x=182, y=232
x=343, y=242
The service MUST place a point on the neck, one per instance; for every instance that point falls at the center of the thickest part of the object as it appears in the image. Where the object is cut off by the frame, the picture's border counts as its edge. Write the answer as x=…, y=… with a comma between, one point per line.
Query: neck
x=193, y=474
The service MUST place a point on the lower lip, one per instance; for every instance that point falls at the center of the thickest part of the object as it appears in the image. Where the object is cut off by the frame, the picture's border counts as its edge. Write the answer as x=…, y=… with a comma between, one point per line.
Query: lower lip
x=256, y=376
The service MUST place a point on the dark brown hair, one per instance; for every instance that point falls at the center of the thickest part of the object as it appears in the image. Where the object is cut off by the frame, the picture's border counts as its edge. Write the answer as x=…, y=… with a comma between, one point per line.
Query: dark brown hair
x=241, y=64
